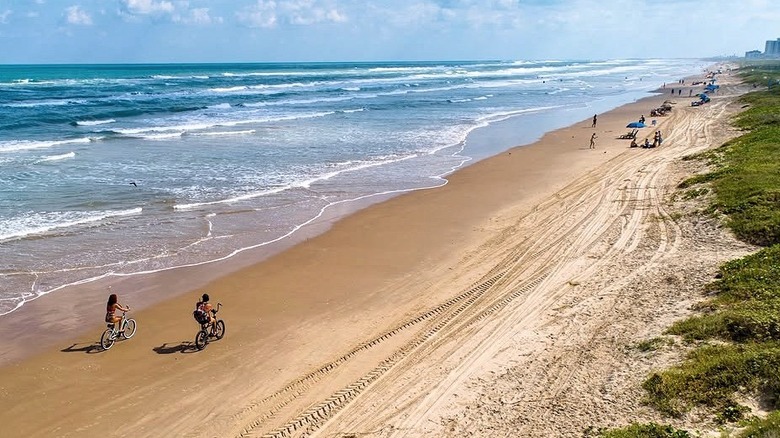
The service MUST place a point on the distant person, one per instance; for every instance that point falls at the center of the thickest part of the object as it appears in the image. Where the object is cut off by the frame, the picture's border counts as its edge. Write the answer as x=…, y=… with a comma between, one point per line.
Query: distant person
x=633, y=143
x=642, y=118
x=594, y=121
x=593, y=141
x=111, y=307
x=672, y=91
x=647, y=144
x=690, y=93
x=679, y=92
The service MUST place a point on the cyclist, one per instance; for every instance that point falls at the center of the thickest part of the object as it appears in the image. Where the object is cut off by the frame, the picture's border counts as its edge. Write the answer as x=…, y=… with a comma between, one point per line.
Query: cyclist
x=208, y=309
x=111, y=307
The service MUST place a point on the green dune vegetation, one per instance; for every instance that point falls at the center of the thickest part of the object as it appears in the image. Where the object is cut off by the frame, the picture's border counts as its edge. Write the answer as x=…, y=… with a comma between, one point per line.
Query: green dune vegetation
x=736, y=333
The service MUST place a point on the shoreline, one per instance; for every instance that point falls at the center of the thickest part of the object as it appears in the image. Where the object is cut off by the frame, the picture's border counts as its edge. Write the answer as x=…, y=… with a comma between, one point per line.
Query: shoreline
x=369, y=272
x=200, y=235
x=143, y=289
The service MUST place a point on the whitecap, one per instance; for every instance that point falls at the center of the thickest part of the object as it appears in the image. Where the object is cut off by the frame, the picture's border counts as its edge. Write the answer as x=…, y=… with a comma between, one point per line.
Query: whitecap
x=37, y=223
x=229, y=89
x=57, y=157
x=94, y=122
x=347, y=166
x=163, y=135
x=23, y=145
x=178, y=130
x=216, y=133
x=220, y=106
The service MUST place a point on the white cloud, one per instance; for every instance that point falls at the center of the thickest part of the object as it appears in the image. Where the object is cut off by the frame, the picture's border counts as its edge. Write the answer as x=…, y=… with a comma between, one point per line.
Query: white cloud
x=149, y=7
x=4, y=16
x=263, y=14
x=177, y=11
x=76, y=15
x=318, y=16
x=269, y=13
x=197, y=16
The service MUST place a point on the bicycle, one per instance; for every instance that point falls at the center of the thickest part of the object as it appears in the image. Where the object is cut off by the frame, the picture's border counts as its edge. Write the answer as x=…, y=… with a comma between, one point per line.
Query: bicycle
x=111, y=334
x=207, y=331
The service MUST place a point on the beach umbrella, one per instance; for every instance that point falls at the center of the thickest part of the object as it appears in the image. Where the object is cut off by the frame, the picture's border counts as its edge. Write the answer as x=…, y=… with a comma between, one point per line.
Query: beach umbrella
x=635, y=125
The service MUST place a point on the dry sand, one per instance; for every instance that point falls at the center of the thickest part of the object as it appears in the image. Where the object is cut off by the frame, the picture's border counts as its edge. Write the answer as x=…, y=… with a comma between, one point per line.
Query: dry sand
x=507, y=303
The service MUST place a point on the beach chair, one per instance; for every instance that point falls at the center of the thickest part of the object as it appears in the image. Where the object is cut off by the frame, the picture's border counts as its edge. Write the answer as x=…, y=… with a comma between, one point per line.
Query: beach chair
x=629, y=135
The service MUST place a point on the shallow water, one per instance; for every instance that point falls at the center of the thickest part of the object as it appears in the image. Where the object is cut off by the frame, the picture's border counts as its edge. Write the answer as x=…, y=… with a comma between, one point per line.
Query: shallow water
x=121, y=169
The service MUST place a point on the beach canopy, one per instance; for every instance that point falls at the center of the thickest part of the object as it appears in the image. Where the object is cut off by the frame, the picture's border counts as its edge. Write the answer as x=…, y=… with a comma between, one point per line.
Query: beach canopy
x=635, y=125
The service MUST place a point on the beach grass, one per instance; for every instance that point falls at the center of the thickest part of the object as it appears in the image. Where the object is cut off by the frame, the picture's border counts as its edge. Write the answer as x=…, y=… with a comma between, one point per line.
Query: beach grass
x=768, y=427
x=760, y=73
x=649, y=430
x=745, y=178
x=737, y=331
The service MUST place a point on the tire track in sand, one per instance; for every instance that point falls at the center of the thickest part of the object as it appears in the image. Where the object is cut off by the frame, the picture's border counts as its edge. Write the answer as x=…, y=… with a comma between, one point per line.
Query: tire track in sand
x=604, y=206
x=649, y=200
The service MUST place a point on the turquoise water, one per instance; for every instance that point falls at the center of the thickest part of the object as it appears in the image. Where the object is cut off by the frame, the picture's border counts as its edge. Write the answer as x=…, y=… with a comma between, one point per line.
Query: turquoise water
x=119, y=169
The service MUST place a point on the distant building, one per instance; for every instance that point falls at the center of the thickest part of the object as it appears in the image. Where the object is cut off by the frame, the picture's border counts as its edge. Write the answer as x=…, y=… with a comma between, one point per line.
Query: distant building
x=772, y=49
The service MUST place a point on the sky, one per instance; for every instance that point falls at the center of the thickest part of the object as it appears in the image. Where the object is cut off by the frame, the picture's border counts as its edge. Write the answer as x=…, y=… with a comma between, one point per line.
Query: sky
x=160, y=31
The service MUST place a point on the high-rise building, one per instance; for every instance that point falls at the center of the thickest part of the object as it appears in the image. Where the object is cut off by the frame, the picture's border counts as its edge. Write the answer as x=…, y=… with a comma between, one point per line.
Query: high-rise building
x=772, y=49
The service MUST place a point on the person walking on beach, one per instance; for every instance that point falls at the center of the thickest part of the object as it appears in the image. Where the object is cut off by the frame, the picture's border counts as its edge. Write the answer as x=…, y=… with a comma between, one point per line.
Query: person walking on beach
x=594, y=121
x=111, y=307
x=593, y=141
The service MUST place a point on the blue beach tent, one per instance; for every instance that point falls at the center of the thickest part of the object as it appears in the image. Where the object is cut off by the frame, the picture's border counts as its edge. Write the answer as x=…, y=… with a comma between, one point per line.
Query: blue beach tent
x=635, y=125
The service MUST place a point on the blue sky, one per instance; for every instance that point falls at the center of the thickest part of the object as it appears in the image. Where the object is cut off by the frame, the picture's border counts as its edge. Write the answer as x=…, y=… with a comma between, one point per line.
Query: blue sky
x=103, y=31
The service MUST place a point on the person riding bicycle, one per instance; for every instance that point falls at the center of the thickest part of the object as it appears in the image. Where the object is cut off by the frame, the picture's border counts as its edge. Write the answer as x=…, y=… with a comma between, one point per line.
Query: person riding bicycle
x=111, y=307
x=208, y=311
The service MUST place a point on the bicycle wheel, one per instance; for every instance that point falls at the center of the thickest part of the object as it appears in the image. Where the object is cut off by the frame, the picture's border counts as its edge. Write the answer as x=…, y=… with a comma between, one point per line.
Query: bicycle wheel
x=201, y=339
x=220, y=332
x=107, y=339
x=128, y=328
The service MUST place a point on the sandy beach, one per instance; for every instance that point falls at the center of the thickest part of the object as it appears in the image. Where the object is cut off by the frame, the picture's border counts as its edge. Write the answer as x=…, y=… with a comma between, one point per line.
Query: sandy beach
x=503, y=304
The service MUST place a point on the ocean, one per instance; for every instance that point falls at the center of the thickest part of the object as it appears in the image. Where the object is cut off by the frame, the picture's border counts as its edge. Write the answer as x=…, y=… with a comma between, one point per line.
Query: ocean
x=116, y=170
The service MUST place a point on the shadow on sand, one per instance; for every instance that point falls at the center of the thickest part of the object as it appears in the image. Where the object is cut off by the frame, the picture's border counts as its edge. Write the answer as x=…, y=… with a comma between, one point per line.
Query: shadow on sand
x=83, y=348
x=181, y=347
